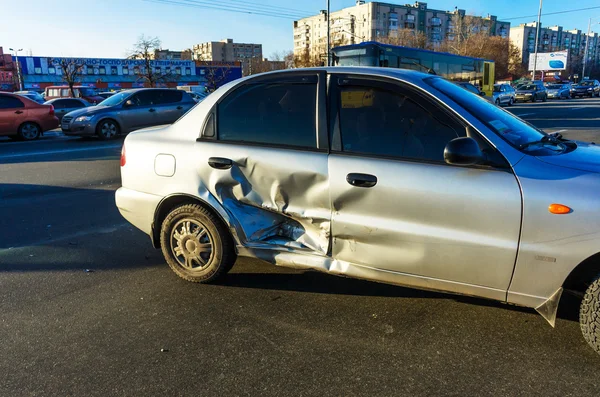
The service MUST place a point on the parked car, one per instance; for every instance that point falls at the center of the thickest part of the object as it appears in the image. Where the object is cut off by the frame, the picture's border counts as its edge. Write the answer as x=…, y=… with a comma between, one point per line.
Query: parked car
x=63, y=106
x=21, y=118
x=86, y=93
x=589, y=88
x=558, y=91
x=127, y=111
x=504, y=94
x=105, y=94
x=531, y=91
x=306, y=168
x=34, y=96
x=474, y=89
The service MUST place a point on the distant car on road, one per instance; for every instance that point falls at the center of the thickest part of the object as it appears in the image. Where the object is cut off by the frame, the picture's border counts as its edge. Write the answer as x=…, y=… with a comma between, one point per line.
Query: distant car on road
x=531, y=91
x=23, y=119
x=389, y=175
x=34, y=96
x=127, y=111
x=504, y=94
x=63, y=106
x=589, y=88
x=86, y=93
x=558, y=91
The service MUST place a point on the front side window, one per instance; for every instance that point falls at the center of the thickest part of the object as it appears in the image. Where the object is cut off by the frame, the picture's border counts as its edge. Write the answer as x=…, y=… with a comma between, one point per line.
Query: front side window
x=270, y=113
x=380, y=122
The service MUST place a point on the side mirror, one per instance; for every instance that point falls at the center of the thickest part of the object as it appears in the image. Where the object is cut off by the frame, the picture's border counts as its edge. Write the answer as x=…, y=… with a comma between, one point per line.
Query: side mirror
x=482, y=93
x=128, y=103
x=463, y=151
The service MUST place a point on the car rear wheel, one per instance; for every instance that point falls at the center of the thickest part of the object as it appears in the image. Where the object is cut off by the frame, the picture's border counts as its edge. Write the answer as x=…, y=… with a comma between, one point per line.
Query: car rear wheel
x=196, y=244
x=533, y=99
x=107, y=129
x=511, y=102
x=589, y=315
x=544, y=98
x=29, y=131
x=497, y=101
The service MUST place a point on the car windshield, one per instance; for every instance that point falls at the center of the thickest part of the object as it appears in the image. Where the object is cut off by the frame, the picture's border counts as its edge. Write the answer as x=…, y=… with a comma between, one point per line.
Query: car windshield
x=586, y=83
x=526, y=87
x=510, y=128
x=114, y=100
x=497, y=88
x=554, y=86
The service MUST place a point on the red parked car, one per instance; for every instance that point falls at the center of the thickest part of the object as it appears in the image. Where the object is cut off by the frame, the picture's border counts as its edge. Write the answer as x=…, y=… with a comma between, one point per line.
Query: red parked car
x=21, y=118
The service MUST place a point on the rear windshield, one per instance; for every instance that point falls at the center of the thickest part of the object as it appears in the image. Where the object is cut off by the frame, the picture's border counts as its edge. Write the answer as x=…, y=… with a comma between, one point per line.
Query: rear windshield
x=526, y=87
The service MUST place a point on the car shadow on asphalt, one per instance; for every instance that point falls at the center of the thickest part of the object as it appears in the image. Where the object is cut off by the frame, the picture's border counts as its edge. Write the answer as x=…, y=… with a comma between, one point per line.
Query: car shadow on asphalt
x=321, y=283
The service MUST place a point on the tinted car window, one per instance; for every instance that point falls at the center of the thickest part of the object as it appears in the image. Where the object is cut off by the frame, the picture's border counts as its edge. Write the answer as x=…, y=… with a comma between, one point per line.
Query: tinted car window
x=279, y=114
x=146, y=98
x=471, y=88
x=73, y=103
x=170, y=96
x=379, y=122
x=8, y=102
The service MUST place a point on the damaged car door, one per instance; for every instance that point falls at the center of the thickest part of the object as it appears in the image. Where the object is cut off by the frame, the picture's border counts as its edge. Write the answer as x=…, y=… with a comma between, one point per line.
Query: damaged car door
x=263, y=155
x=399, y=210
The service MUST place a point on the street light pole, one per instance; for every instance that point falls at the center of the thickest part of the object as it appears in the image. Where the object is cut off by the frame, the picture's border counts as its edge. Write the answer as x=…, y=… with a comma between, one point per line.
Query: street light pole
x=328, y=40
x=18, y=67
x=537, y=36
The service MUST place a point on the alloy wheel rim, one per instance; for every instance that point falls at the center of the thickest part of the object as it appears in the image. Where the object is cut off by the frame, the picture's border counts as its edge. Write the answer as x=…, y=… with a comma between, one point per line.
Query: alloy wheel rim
x=29, y=131
x=191, y=245
x=108, y=130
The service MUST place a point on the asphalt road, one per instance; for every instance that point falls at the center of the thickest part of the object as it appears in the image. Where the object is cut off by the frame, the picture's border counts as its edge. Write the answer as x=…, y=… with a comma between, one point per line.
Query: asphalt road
x=88, y=307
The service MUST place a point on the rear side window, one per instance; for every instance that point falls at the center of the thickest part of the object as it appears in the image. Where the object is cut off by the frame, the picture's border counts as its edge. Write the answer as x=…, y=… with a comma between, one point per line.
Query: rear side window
x=73, y=103
x=378, y=122
x=8, y=102
x=270, y=113
x=170, y=96
x=147, y=98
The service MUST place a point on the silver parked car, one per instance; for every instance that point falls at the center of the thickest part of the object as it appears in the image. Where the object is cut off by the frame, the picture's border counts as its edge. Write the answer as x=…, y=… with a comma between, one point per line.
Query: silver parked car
x=127, y=111
x=382, y=174
x=559, y=91
x=504, y=94
x=63, y=106
x=34, y=96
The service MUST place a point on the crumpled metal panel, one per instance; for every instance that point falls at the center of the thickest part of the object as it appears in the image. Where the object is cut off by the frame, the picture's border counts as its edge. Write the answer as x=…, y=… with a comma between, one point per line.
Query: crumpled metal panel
x=276, y=197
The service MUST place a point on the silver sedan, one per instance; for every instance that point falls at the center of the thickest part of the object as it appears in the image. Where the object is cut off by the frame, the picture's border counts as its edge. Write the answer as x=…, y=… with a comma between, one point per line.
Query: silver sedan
x=382, y=174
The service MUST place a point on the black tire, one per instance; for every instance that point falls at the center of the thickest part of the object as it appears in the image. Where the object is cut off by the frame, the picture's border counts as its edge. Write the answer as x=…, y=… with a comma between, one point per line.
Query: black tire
x=545, y=98
x=497, y=101
x=210, y=233
x=589, y=315
x=533, y=99
x=107, y=129
x=511, y=102
x=29, y=131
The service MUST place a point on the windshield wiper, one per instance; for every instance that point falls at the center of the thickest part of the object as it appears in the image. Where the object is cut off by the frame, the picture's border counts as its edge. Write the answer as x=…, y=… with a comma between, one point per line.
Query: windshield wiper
x=554, y=138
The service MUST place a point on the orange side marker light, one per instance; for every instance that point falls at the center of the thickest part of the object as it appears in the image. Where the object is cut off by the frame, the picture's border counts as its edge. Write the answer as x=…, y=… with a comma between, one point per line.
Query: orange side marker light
x=559, y=209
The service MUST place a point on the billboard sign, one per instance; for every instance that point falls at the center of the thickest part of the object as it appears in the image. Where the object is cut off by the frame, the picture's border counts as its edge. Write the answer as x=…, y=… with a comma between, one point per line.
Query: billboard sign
x=549, y=60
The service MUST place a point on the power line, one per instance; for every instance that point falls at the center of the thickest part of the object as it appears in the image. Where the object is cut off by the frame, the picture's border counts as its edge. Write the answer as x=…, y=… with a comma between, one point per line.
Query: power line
x=551, y=13
x=229, y=8
x=252, y=3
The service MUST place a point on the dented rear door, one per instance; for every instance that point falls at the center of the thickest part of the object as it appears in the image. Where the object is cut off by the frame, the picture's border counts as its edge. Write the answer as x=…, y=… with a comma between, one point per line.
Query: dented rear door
x=263, y=156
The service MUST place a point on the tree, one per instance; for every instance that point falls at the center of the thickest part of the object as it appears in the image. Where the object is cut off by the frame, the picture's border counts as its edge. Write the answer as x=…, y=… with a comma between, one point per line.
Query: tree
x=516, y=68
x=71, y=70
x=143, y=50
x=306, y=60
x=216, y=75
x=406, y=38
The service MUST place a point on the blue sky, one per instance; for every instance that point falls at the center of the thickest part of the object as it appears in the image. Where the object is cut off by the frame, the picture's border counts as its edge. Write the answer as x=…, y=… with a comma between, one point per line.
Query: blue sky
x=107, y=28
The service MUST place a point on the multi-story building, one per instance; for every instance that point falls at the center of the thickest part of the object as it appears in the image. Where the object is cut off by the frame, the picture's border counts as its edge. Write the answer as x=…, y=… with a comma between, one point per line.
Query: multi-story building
x=7, y=72
x=376, y=20
x=228, y=51
x=163, y=55
x=556, y=38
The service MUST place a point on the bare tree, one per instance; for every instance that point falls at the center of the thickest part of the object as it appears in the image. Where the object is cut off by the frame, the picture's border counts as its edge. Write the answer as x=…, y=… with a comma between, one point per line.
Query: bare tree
x=143, y=50
x=406, y=38
x=216, y=75
x=71, y=70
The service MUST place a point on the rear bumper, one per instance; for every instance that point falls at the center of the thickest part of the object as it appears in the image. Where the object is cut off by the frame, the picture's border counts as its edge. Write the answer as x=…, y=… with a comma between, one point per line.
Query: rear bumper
x=49, y=124
x=137, y=208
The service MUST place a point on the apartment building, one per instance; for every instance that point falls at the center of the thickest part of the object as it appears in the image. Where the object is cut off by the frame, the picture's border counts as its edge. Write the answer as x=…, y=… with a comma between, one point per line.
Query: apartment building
x=228, y=51
x=167, y=55
x=556, y=38
x=7, y=72
x=373, y=20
